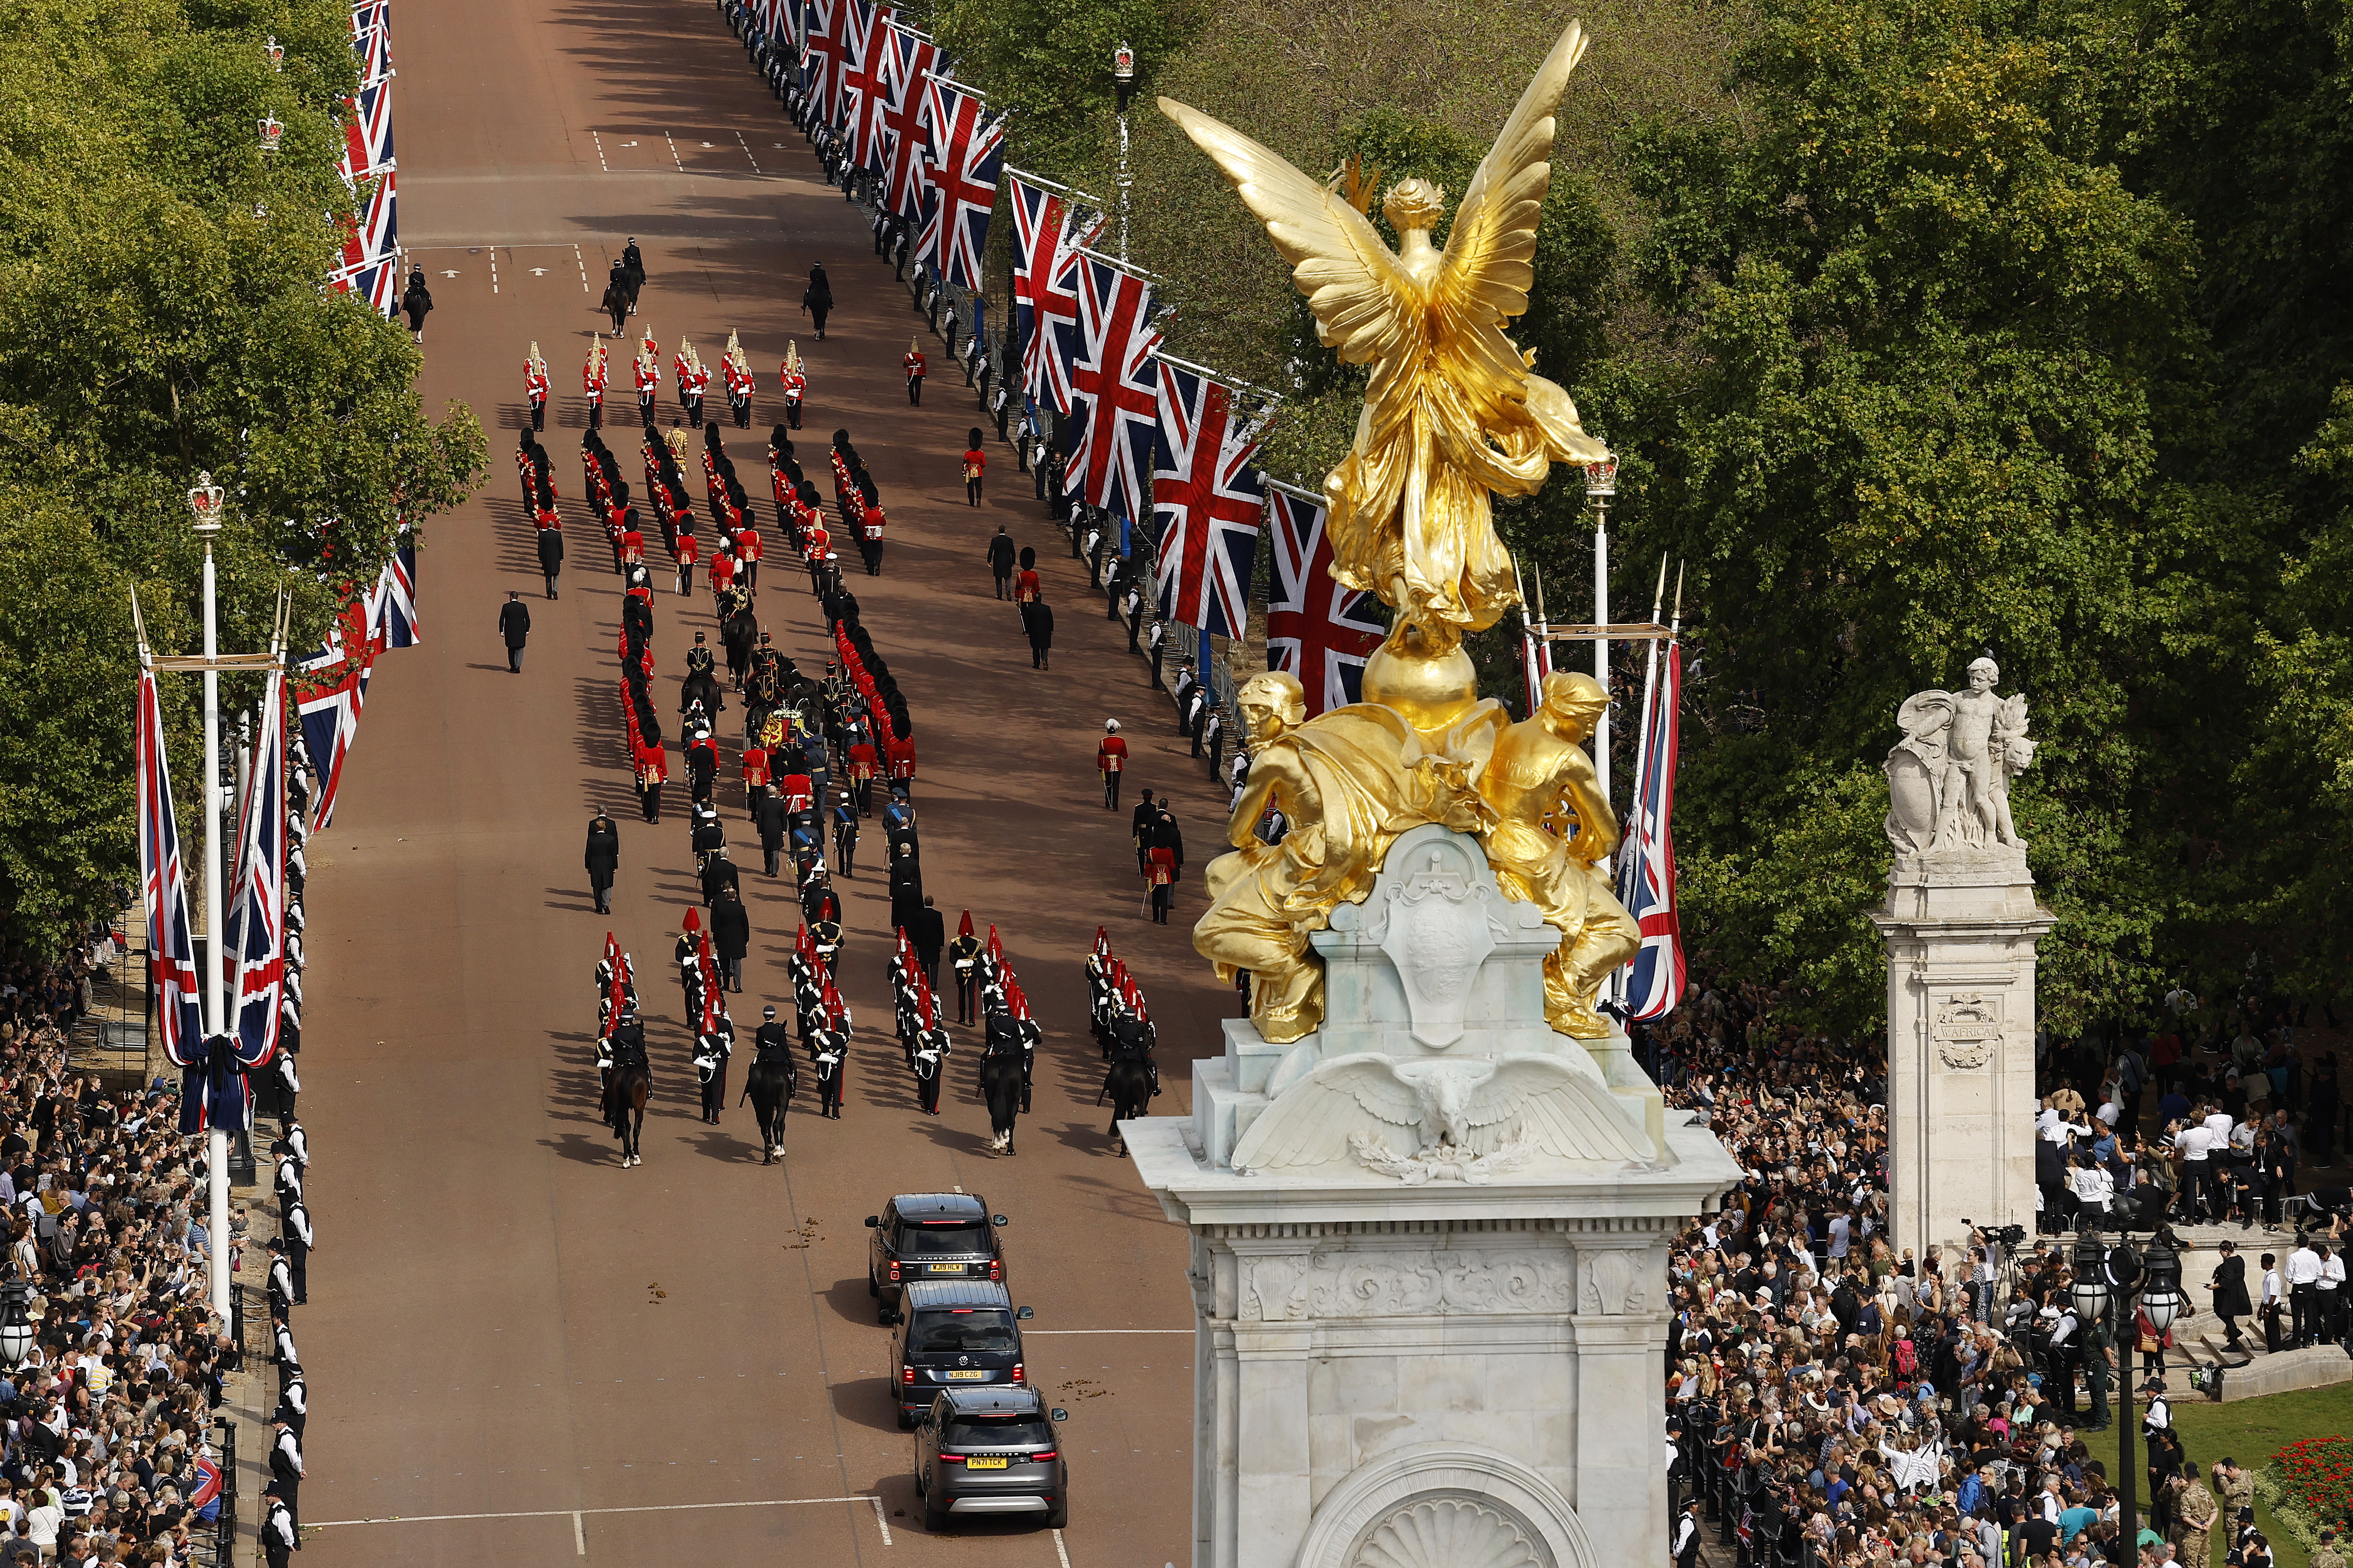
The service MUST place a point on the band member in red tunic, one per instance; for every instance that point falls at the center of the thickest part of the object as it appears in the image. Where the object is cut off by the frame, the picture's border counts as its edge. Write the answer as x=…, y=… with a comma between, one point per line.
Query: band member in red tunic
x=747, y=554
x=653, y=771
x=647, y=368
x=871, y=523
x=863, y=766
x=591, y=381
x=1026, y=588
x=736, y=371
x=723, y=573
x=898, y=762
x=793, y=382
x=693, y=381
x=534, y=387
x=975, y=465
x=1111, y=761
x=914, y=366
x=756, y=776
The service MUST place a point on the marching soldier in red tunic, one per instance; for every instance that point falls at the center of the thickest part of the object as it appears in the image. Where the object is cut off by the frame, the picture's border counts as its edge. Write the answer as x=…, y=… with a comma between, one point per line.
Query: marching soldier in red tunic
x=534, y=387
x=793, y=383
x=592, y=382
x=737, y=372
x=863, y=766
x=899, y=761
x=747, y=554
x=648, y=370
x=722, y=575
x=653, y=771
x=869, y=538
x=914, y=366
x=756, y=776
x=1111, y=761
x=692, y=379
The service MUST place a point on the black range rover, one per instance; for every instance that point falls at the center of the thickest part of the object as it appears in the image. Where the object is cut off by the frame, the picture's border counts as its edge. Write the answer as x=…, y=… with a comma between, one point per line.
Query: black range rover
x=930, y=1235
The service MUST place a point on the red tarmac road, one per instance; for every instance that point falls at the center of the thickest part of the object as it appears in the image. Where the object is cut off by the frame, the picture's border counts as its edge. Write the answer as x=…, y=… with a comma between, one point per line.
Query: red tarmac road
x=507, y=1330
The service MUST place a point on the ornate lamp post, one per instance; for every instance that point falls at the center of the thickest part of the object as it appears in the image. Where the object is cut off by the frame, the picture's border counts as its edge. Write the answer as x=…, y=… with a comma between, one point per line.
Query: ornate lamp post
x=2105, y=1280
x=1600, y=484
x=206, y=502
x=1123, y=79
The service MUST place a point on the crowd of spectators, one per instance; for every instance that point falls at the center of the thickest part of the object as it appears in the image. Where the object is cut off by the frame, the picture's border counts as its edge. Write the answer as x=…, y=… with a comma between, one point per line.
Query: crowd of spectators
x=1853, y=1404
x=105, y=1427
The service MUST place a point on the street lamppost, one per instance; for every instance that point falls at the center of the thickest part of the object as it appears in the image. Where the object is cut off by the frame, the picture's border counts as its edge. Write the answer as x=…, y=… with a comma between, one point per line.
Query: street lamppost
x=1123, y=80
x=2105, y=1280
x=207, y=500
x=1600, y=484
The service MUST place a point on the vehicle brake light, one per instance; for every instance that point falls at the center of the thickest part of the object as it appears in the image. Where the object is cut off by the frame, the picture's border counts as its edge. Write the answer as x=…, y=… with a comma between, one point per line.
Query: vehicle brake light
x=906, y=1374
x=1039, y=1458
x=894, y=1272
x=995, y=1270
x=951, y=1459
x=1017, y=1372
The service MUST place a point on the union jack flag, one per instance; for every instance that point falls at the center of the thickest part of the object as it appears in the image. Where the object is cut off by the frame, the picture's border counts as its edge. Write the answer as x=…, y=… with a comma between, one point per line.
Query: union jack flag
x=367, y=132
x=821, y=56
x=372, y=38
x=1646, y=872
x=912, y=59
x=960, y=182
x=1206, y=501
x=864, y=81
x=392, y=607
x=1316, y=629
x=1114, y=394
x=258, y=921
x=1047, y=234
x=330, y=701
x=172, y=951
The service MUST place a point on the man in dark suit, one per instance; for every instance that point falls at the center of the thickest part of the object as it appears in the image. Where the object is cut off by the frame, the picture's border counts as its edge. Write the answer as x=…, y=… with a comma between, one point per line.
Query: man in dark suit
x=2229, y=1288
x=514, y=625
x=604, y=858
x=731, y=933
x=930, y=934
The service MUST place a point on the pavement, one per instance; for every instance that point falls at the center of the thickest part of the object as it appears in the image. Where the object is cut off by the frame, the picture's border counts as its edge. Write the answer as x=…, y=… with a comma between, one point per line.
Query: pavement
x=511, y=1342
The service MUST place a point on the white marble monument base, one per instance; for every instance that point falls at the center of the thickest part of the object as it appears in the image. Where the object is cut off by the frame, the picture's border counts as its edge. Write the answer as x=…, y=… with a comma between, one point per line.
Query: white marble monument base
x=1429, y=1249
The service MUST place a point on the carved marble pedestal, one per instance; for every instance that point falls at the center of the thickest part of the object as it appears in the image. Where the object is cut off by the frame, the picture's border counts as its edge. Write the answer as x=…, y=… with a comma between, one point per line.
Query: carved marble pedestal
x=1429, y=1255
x=1960, y=926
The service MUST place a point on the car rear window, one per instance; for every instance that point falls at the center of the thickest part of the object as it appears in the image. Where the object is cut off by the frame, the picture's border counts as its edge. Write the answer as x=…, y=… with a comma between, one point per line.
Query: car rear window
x=942, y=1240
x=976, y=1331
x=998, y=1432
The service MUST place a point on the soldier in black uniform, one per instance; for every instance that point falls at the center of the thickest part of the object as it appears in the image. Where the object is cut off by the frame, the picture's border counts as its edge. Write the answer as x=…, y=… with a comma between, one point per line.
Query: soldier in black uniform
x=845, y=836
x=829, y=1048
x=1147, y=811
x=710, y=1053
x=898, y=824
x=964, y=958
x=906, y=890
x=817, y=899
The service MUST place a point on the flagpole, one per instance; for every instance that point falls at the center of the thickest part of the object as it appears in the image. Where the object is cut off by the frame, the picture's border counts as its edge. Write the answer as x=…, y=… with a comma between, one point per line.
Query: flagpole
x=207, y=513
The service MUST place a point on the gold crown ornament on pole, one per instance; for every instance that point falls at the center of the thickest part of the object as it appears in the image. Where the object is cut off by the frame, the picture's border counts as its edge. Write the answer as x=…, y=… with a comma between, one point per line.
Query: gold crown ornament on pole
x=276, y=52
x=272, y=132
x=1454, y=414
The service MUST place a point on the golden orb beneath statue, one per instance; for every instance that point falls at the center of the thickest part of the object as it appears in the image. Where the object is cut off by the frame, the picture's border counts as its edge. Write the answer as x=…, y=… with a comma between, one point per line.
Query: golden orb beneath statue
x=1429, y=678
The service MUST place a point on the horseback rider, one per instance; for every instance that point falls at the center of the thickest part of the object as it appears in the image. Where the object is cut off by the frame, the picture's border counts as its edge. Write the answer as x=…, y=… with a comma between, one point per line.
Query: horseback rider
x=1133, y=1039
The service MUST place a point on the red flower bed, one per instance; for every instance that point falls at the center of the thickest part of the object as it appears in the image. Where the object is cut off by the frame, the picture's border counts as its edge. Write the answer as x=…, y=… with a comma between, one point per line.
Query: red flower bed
x=2317, y=1476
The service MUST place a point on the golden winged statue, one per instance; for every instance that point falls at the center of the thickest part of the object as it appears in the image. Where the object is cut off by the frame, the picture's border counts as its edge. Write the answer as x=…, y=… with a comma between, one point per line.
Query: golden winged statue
x=1452, y=410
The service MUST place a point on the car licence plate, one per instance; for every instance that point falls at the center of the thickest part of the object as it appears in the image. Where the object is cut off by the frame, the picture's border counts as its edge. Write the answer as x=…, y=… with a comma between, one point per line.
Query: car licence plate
x=984, y=1464
x=943, y=1267
x=966, y=1377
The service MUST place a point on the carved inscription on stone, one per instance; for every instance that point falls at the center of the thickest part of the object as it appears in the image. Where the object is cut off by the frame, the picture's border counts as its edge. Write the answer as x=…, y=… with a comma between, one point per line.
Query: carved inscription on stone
x=1966, y=1029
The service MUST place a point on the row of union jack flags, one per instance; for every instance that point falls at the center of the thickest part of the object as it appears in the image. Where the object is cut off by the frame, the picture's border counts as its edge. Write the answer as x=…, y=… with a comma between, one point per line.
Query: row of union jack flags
x=1146, y=437
x=370, y=264
x=934, y=149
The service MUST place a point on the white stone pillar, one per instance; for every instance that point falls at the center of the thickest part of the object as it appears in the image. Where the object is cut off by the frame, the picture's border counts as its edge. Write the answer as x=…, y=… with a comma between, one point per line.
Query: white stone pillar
x=1960, y=926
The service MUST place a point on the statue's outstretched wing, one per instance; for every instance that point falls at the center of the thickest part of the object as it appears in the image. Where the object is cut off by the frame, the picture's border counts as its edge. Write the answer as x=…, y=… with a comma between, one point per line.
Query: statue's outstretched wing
x=1491, y=251
x=1309, y=1122
x=1364, y=305
x=1561, y=1106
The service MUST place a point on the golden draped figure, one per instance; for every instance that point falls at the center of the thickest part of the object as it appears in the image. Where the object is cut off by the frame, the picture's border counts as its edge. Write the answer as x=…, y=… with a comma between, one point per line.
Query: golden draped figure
x=1453, y=412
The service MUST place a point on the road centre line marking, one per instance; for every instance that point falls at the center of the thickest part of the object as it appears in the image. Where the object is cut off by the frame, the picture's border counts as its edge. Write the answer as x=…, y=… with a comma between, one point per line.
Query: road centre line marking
x=747, y=151
x=580, y=1536
x=673, y=152
x=582, y=263
x=576, y=1512
x=1058, y=1552
x=882, y=1523
x=600, y=152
